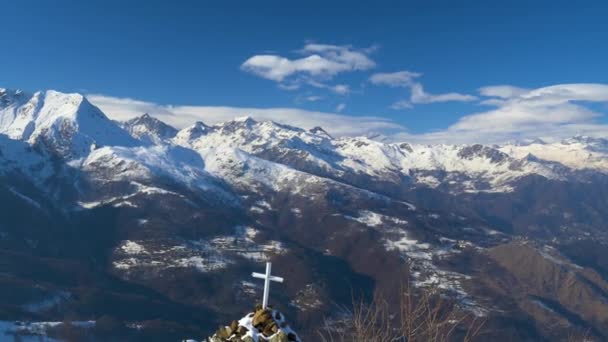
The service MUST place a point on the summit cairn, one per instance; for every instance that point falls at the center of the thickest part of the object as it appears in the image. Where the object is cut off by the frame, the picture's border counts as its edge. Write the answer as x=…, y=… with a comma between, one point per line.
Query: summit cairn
x=263, y=324
x=258, y=326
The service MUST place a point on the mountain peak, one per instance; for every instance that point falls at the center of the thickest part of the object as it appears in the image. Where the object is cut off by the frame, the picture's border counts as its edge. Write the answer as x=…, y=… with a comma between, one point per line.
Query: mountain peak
x=146, y=120
x=478, y=150
x=149, y=129
x=581, y=139
x=318, y=130
x=526, y=142
x=66, y=124
x=245, y=119
x=239, y=123
x=192, y=132
x=10, y=96
x=199, y=125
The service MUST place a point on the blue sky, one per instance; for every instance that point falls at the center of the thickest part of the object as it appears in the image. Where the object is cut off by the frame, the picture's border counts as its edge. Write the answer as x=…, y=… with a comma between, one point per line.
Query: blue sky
x=361, y=61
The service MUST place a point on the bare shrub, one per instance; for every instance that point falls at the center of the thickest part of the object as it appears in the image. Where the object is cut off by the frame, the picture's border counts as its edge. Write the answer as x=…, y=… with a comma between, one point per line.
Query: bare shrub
x=584, y=336
x=426, y=315
x=365, y=322
x=422, y=315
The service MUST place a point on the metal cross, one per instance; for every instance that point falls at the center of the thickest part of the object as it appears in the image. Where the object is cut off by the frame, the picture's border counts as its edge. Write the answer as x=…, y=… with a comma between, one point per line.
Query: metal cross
x=267, y=278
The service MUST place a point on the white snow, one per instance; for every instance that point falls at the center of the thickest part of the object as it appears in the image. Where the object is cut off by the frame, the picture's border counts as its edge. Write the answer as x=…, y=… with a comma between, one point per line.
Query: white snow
x=252, y=155
x=202, y=264
x=373, y=219
x=256, y=335
x=132, y=247
x=67, y=122
x=412, y=248
x=369, y=218
x=203, y=255
x=34, y=331
x=577, y=153
x=47, y=303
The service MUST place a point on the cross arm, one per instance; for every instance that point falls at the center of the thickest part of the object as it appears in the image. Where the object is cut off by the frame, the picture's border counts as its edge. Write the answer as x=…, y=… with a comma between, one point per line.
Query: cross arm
x=263, y=276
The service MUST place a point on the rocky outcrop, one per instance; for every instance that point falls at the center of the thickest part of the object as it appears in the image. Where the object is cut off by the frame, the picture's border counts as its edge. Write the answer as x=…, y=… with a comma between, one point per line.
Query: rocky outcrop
x=257, y=326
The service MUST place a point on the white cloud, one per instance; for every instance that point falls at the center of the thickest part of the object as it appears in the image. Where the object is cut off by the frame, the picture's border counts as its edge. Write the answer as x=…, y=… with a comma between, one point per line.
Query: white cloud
x=182, y=116
x=552, y=112
x=277, y=68
x=502, y=91
x=313, y=98
x=340, y=107
x=407, y=79
x=418, y=95
x=395, y=79
x=521, y=110
x=323, y=61
x=341, y=89
x=356, y=59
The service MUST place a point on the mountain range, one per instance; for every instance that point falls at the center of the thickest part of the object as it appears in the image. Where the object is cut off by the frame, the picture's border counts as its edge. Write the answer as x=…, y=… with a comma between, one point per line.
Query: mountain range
x=152, y=232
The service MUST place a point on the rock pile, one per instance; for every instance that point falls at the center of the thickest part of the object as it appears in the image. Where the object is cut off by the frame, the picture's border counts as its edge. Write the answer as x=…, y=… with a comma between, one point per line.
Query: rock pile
x=258, y=326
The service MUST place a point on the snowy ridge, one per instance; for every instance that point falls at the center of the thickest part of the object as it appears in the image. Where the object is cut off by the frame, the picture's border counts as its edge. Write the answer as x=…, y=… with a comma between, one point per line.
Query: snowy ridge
x=321, y=155
x=244, y=152
x=579, y=152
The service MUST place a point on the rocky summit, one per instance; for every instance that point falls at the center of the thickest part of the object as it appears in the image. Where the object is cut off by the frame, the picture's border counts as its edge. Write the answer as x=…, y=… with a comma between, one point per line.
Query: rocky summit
x=260, y=325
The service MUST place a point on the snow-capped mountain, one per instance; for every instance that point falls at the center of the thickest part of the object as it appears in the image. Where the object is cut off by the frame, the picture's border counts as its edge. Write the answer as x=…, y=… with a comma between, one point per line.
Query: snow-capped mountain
x=578, y=153
x=149, y=129
x=176, y=220
x=358, y=160
x=66, y=124
x=69, y=126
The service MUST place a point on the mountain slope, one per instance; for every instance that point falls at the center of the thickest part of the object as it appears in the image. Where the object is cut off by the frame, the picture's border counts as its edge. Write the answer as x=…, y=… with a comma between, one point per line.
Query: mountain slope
x=177, y=221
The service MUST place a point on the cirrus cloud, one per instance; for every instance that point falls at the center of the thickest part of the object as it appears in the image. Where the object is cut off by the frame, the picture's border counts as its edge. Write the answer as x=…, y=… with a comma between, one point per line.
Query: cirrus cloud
x=407, y=79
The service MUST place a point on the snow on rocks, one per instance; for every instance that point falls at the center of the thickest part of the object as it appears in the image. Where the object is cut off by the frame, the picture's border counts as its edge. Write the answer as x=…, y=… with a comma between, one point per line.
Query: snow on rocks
x=208, y=255
x=373, y=219
x=260, y=325
x=132, y=247
x=133, y=257
x=424, y=271
x=307, y=298
x=578, y=152
x=422, y=256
